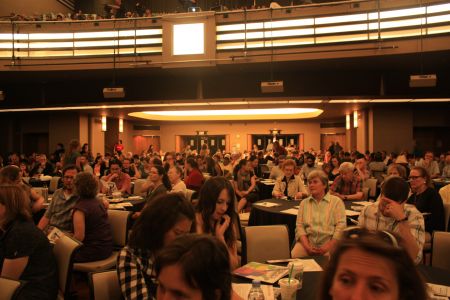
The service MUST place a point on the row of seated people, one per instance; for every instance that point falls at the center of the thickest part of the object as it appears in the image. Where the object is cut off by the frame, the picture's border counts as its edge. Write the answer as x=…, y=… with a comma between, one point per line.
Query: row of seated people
x=320, y=223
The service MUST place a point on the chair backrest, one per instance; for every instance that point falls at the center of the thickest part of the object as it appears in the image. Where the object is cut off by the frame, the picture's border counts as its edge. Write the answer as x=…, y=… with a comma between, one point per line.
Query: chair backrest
x=42, y=192
x=261, y=243
x=445, y=193
x=119, y=226
x=9, y=288
x=64, y=250
x=138, y=184
x=189, y=194
x=441, y=245
x=379, y=176
x=371, y=183
x=53, y=184
x=365, y=191
x=447, y=215
x=105, y=285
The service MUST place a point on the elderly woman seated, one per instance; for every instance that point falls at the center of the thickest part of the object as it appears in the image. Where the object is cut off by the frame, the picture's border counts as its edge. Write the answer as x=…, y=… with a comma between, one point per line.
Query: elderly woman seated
x=289, y=185
x=320, y=219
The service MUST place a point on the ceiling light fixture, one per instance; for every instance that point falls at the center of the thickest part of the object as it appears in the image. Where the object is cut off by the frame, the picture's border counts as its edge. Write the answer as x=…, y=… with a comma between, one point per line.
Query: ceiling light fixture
x=227, y=115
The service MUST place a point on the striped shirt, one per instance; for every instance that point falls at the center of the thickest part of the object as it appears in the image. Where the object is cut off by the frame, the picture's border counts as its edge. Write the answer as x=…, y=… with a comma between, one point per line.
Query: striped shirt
x=321, y=220
x=371, y=218
x=135, y=275
x=59, y=212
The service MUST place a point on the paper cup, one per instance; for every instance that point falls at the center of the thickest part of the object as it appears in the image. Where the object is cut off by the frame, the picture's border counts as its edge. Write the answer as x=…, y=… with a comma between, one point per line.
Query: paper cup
x=288, y=289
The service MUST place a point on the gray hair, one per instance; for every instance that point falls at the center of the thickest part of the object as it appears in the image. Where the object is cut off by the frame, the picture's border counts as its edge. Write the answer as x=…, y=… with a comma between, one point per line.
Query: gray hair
x=346, y=167
x=322, y=176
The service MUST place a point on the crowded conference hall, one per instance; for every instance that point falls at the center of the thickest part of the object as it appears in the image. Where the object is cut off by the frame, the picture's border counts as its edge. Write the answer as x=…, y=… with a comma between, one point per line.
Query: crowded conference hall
x=218, y=150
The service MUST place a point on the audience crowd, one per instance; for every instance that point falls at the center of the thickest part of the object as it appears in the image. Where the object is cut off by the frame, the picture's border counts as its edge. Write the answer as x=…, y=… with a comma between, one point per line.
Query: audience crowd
x=408, y=210
x=122, y=9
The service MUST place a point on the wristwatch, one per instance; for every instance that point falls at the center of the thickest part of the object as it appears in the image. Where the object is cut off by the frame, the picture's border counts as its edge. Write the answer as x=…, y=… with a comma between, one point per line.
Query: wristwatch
x=345, y=198
x=403, y=220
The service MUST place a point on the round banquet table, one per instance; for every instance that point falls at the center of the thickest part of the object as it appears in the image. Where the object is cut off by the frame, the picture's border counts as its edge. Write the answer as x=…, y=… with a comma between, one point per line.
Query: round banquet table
x=261, y=215
x=440, y=183
x=312, y=280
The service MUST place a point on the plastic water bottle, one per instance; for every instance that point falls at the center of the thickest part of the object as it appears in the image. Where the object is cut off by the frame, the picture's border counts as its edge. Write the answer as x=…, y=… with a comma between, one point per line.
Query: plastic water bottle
x=256, y=292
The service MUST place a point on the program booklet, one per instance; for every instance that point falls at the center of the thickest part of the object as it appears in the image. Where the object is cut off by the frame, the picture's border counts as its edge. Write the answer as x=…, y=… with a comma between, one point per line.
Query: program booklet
x=262, y=272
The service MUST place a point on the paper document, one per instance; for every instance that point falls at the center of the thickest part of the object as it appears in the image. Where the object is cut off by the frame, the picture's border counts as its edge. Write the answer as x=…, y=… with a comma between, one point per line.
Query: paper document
x=351, y=213
x=242, y=289
x=364, y=203
x=267, y=204
x=291, y=211
x=439, y=290
x=262, y=272
x=310, y=265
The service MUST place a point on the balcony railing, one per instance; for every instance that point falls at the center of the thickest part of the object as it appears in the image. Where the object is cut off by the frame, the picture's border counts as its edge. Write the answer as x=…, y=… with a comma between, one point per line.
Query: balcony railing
x=257, y=29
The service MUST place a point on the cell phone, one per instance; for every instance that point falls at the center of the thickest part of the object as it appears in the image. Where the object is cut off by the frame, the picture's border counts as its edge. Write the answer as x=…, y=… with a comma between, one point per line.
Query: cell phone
x=222, y=220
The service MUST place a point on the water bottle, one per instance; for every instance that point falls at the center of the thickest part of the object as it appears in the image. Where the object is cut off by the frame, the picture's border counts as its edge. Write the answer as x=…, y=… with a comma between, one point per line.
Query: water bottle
x=256, y=292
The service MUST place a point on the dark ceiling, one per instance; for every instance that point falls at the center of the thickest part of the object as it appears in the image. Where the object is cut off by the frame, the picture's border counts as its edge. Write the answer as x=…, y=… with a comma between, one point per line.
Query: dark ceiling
x=366, y=77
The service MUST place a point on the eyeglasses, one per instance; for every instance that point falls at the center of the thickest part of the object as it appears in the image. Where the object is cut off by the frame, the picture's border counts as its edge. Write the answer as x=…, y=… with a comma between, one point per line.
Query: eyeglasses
x=413, y=177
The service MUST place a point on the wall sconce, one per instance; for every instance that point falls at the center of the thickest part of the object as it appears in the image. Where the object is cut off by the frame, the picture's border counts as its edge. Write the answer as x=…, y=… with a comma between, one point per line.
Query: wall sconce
x=347, y=122
x=103, y=123
x=355, y=119
x=121, y=125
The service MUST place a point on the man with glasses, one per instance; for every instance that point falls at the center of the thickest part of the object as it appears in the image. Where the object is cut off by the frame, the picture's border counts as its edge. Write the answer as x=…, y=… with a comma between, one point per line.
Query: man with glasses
x=121, y=179
x=393, y=214
x=59, y=212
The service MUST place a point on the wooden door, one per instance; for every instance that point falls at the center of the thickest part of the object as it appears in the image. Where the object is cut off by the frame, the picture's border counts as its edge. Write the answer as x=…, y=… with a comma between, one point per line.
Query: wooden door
x=142, y=143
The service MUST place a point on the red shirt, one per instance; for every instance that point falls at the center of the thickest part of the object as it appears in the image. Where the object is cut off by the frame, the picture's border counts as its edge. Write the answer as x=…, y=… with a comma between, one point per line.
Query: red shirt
x=194, y=180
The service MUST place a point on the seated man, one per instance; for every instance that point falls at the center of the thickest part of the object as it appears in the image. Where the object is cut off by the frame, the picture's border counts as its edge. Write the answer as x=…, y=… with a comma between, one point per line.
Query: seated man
x=59, y=212
x=347, y=185
x=289, y=185
x=83, y=164
x=194, y=267
x=392, y=213
x=308, y=166
x=42, y=168
x=121, y=179
x=429, y=164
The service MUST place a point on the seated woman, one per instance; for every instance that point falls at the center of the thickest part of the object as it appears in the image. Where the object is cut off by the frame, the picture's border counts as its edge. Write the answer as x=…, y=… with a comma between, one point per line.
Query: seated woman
x=370, y=265
x=90, y=221
x=11, y=175
x=25, y=252
x=320, y=220
x=334, y=172
x=167, y=217
x=178, y=186
x=216, y=214
x=193, y=177
x=245, y=184
x=158, y=183
x=196, y=266
x=289, y=185
x=427, y=200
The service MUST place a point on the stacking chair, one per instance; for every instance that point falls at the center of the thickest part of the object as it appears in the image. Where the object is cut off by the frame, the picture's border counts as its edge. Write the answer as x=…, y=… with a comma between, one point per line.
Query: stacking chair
x=105, y=285
x=371, y=183
x=441, y=245
x=64, y=250
x=189, y=194
x=138, y=187
x=261, y=243
x=9, y=288
x=119, y=229
x=42, y=192
x=53, y=184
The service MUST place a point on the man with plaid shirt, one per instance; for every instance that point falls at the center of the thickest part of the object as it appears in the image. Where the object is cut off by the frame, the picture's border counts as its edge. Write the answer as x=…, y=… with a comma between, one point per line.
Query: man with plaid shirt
x=347, y=185
x=59, y=212
x=393, y=214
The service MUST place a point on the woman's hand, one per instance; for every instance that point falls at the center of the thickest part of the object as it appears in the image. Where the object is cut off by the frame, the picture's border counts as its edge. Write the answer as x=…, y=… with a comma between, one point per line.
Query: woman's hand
x=222, y=226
